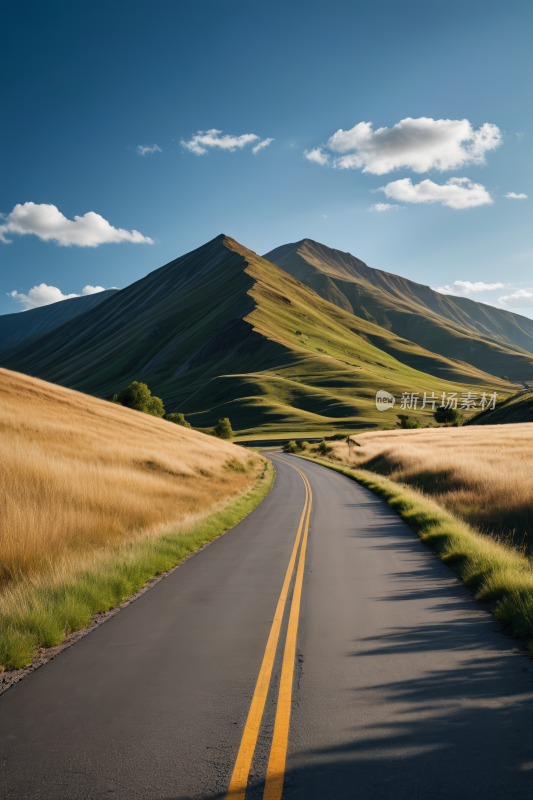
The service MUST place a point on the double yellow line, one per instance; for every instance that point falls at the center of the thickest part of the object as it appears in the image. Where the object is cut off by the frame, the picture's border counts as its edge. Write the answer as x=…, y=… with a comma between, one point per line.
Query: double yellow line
x=278, y=751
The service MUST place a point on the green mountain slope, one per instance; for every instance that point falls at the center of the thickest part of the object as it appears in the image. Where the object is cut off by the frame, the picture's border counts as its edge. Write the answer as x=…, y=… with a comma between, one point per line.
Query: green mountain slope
x=15, y=328
x=517, y=408
x=222, y=332
x=495, y=341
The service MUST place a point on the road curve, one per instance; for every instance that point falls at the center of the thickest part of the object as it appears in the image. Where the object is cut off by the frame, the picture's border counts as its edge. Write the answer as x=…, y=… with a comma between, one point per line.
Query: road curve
x=401, y=686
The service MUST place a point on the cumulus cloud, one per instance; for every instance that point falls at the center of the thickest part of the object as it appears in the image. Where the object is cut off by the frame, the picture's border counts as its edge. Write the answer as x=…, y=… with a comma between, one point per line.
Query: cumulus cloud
x=467, y=287
x=47, y=222
x=212, y=138
x=384, y=207
x=260, y=146
x=418, y=144
x=514, y=196
x=455, y=193
x=143, y=149
x=44, y=295
x=92, y=289
x=520, y=299
x=316, y=156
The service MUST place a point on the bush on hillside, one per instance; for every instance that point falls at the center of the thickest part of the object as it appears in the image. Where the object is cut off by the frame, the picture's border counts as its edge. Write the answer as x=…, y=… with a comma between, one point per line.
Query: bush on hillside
x=290, y=447
x=139, y=397
x=295, y=446
x=178, y=419
x=407, y=423
x=223, y=429
x=452, y=416
x=324, y=448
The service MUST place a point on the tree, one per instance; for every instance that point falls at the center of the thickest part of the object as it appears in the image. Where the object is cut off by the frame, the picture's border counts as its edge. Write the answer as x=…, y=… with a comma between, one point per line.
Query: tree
x=139, y=397
x=178, y=419
x=223, y=429
x=448, y=415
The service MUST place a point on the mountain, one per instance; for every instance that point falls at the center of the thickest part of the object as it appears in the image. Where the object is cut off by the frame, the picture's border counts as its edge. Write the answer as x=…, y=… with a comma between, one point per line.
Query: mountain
x=15, y=328
x=491, y=339
x=222, y=332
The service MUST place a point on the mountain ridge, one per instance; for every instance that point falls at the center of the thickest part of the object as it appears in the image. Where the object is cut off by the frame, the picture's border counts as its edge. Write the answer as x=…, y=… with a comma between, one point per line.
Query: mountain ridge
x=220, y=331
x=405, y=307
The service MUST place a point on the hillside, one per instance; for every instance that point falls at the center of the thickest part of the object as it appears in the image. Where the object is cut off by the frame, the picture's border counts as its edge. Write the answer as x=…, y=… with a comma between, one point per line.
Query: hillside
x=15, y=328
x=517, y=408
x=223, y=332
x=79, y=473
x=491, y=339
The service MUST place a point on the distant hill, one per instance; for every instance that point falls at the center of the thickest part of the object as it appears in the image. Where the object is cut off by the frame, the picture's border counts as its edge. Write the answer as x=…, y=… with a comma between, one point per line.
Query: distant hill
x=15, y=328
x=517, y=408
x=491, y=339
x=222, y=332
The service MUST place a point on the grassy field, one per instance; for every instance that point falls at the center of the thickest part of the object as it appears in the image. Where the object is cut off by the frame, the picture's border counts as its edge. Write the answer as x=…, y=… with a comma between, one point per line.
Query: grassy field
x=96, y=499
x=483, y=475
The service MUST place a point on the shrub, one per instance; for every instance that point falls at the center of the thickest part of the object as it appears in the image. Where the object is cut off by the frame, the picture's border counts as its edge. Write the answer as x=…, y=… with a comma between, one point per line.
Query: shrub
x=290, y=447
x=449, y=415
x=324, y=448
x=223, y=429
x=139, y=397
x=178, y=419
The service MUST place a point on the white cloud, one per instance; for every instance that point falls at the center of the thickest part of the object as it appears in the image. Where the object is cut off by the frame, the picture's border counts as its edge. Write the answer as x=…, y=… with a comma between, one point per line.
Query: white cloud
x=212, y=138
x=92, y=289
x=47, y=222
x=43, y=295
x=514, y=196
x=455, y=193
x=260, y=146
x=418, y=144
x=384, y=207
x=520, y=299
x=316, y=156
x=467, y=287
x=324, y=215
x=143, y=149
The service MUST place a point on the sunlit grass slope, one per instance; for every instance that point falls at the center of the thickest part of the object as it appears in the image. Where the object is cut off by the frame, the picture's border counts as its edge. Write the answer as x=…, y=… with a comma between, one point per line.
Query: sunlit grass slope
x=482, y=475
x=79, y=475
x=517, y=408
x=222, y=332
x=492, y=339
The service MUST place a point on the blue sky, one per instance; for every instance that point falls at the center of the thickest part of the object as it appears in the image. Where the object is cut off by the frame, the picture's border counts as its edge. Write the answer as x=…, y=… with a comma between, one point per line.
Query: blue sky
x=86, y=86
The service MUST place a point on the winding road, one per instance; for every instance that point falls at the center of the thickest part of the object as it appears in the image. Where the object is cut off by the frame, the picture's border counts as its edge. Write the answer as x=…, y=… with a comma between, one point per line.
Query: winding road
x=316, y=650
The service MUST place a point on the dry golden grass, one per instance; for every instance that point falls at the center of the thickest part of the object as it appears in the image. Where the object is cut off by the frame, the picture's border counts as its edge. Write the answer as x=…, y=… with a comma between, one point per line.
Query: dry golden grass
x=483, y=475
x=79, y=474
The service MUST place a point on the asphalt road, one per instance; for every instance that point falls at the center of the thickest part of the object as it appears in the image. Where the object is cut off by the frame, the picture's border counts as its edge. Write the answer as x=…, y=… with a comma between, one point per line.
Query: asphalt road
x=403, y=686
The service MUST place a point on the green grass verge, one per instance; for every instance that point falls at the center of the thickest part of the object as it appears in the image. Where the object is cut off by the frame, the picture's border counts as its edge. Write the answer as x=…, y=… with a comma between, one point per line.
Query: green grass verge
x=45, y=615
x=490, y=569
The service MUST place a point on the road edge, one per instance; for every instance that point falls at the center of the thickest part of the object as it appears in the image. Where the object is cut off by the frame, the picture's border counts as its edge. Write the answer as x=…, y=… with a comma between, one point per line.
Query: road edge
x=494, y=573
x=197, y=538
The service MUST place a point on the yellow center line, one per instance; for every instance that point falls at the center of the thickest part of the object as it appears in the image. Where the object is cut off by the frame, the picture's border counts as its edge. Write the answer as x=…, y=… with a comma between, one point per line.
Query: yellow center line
x=278, y=753
x=241, y=771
